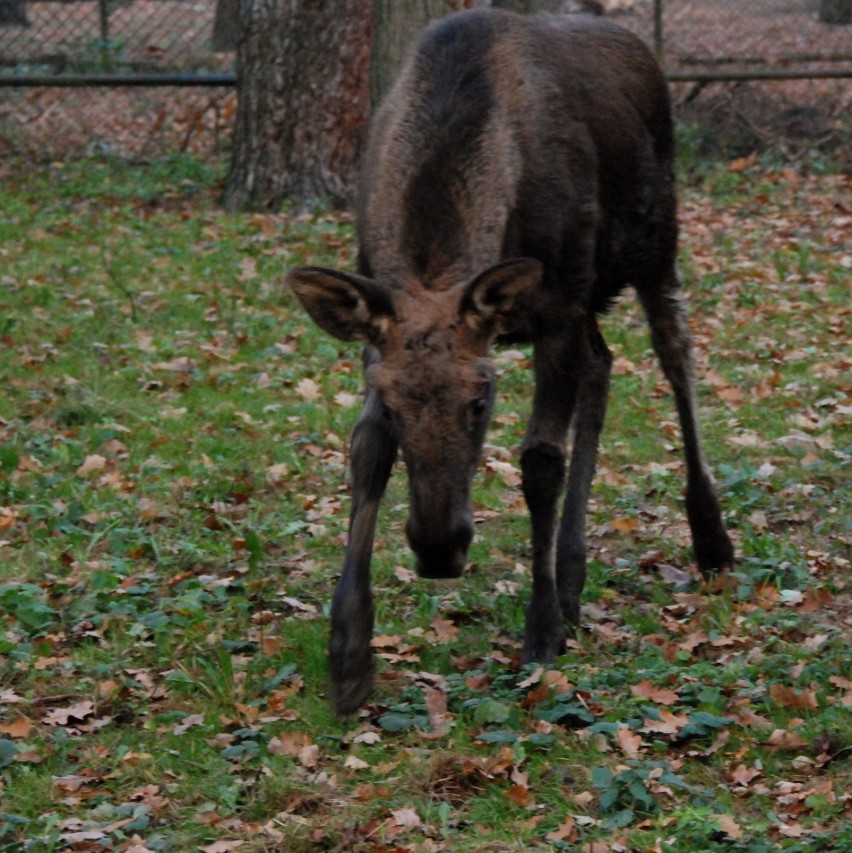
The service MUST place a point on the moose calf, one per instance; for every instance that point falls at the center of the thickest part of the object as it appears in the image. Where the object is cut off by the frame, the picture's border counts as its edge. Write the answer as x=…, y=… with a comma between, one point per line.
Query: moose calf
x=517, y=178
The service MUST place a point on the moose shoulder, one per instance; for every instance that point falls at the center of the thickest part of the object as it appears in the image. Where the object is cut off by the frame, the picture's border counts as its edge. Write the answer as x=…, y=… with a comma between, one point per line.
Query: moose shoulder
x=517, y=178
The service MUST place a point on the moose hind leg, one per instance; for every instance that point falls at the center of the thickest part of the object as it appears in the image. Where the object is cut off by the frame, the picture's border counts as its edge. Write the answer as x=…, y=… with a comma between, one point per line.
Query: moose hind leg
x=588, y=422
x=673, y=345
x=350, y=650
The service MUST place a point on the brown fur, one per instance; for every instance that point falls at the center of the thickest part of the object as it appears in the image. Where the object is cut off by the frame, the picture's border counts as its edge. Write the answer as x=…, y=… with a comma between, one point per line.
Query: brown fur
x=546, y=140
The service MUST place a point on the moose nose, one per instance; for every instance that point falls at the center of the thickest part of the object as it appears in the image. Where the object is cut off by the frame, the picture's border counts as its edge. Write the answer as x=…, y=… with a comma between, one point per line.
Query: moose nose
x=441, y=556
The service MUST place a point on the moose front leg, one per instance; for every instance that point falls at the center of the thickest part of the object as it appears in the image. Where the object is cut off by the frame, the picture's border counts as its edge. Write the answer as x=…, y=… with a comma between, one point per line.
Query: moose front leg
x=557, y=371
x=350, y=650
x=588, y=423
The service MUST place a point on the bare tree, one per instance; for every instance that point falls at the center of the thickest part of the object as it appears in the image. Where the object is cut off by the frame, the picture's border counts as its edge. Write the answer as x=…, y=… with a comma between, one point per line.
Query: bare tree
x=303, y=101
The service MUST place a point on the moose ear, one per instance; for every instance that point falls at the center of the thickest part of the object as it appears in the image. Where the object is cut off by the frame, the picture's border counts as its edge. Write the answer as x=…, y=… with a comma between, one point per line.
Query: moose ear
x=500, y=299
x=349, y=307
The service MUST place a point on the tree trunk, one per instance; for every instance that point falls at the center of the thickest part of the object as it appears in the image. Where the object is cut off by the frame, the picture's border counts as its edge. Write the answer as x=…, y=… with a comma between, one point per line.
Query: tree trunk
x=396, y=24
x=226, y=29
x=13, y=12
x=302, y=102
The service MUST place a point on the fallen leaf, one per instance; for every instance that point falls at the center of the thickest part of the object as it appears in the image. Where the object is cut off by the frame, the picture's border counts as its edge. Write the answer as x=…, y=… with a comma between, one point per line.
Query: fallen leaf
x=630, y=744
x=659, y=696
x=308, y=390
x=406, y=818
x=288, y=743
x=625, y=525
x=345, y=400
x=442, y=630
x=309, y=756
x=436, y=706
x=534, y=678
x=18, y=728
x=567, y=830
x=668, y=724
x=786, y=740
x=743, y=775
x=92, y=463
x=520, y=795
x=728, y=825
x=787, y=697
x=276, y=474
x=61, y=716
x=188, y=722
x=507, y=472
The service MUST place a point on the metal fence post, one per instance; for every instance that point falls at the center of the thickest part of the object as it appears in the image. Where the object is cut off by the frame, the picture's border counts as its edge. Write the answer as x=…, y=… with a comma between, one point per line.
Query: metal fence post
x=103, y=12
x=658, y=30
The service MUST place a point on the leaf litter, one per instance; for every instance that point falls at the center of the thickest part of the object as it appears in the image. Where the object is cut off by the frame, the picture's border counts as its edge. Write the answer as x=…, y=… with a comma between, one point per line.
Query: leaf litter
x=163, y=591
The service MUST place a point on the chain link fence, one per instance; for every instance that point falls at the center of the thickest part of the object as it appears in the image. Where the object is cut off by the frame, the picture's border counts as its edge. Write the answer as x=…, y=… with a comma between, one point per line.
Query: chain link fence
x=131, y=38
x=695, y=38
x=709, y=48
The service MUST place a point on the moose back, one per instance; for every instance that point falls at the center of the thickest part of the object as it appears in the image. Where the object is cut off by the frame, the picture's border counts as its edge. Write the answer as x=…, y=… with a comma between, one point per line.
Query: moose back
x=517, y=178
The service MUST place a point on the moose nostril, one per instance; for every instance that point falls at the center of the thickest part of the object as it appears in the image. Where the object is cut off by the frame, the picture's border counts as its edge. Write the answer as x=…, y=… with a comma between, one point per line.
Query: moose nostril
x=440, y=556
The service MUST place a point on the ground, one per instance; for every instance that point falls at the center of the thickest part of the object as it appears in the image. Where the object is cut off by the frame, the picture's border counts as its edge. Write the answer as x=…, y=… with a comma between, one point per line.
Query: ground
x=173, y=502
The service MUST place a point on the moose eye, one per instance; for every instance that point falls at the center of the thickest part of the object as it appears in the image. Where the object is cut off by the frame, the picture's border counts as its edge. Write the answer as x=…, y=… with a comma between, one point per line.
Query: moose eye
x=478, y=405
x=387, y=413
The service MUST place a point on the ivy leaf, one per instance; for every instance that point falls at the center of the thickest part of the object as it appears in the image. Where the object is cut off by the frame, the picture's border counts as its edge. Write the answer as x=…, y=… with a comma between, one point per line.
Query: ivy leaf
x=492, y=711
x=701, y=724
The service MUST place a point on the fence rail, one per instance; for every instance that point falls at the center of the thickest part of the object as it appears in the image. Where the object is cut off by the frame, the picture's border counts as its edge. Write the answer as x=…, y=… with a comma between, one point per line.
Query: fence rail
x=170, y=42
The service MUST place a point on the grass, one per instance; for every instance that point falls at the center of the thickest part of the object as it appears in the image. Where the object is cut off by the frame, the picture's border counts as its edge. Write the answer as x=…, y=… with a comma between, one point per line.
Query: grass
x=172, y=504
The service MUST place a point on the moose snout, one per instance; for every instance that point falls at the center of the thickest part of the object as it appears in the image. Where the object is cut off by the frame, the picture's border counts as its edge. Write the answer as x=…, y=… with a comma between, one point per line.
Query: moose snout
x=440, y=555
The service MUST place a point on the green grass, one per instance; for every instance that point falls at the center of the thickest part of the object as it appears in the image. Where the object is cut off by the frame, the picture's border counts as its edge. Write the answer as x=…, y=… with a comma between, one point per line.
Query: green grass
x=172, y=505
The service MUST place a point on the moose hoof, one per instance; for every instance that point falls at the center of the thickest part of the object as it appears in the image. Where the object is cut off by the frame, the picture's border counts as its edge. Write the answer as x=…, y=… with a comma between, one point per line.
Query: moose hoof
x=349, y=694
x=543, y=645
x=544, y=638
x=713, y=556
x=351, y=681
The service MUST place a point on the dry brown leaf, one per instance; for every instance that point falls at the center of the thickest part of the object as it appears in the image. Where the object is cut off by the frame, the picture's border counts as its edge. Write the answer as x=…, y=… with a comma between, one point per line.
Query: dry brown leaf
x=658, y=695
x=18, y=728
x=520, y=795
x=668, y=724
x=728, y=825
x=630, y=743
x=92, y=463
x=406, y=818
x=787, y=697
x=742, y=775
x=442, y=630
x=566, y=831
x=309, y=756
x=288, y=743
x=308, y=390
x=625, y=525
x=61, y=716
x=787, y=740
x=222, y=846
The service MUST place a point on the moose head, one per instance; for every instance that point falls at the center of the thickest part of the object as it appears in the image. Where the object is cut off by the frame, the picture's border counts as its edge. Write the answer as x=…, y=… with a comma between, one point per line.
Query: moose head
x=430, y=377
